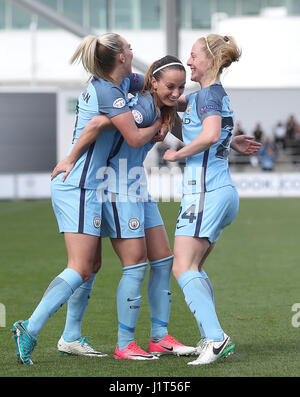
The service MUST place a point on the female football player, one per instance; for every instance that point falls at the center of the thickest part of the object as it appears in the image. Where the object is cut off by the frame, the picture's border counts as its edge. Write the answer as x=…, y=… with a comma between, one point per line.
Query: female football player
x=210, y=201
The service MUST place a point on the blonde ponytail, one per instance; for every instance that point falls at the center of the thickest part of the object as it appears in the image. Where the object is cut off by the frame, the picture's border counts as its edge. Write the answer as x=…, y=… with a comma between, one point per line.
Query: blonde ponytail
x=223, y=50
x=98, y=54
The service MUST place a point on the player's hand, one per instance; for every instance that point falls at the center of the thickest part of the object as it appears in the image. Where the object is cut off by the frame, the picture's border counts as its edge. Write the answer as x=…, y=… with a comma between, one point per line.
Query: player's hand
x=170, y=155
x=245, y=144
x=160, y=136
x=65, y=165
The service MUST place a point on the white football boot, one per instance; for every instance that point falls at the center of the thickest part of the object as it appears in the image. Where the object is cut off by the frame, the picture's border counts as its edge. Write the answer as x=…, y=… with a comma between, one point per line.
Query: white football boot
x=200, y=345
x=213, y=350
x=80, y=347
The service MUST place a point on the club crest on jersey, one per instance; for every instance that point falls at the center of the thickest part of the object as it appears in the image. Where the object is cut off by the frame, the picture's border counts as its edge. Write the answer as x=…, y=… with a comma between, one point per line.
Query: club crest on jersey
x=134, y=224
x=188, y=109
x=138, y=117
x=97, y=222
x=119, y=103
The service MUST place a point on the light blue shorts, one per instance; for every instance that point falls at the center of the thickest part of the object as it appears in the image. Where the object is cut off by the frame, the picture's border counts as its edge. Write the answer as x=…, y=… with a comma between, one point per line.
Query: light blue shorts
x=125, y=218
x=77, y=210
x=207, y=214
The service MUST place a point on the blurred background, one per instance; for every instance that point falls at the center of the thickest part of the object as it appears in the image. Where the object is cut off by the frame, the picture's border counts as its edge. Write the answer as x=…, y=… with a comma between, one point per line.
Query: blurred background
x=39, y=86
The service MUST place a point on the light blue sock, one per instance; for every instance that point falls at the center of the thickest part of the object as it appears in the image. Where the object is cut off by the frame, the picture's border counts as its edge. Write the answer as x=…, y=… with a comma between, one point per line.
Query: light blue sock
x=58, y=292
x=198, y=297
x=77, y=305
x=211, y=290
x=209, y=284
x=129, y=301
x=159, y=296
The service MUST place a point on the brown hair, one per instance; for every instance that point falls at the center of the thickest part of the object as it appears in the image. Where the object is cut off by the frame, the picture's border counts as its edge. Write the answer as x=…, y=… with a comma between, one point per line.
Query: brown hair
x=98, y=54
x=168, y=113
x=223, y=50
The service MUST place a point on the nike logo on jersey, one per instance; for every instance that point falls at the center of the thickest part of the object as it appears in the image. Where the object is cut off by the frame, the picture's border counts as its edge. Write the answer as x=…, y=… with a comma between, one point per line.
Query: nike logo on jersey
x=218, y=350
x=179, y=227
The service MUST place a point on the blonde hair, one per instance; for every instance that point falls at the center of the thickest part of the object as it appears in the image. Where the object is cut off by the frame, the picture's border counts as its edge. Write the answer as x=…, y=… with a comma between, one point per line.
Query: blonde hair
x=168, y=113
x=98, y=54
x=223, y=50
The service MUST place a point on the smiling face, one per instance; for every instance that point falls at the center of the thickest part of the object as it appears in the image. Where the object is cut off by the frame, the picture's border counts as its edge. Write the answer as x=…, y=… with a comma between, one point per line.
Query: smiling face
x=198, y=61
x=169, y=87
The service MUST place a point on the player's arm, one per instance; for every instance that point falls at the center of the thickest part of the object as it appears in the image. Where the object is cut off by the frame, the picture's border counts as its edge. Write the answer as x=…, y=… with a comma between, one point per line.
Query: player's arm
x=211, y=133
x=134, y=136
x=136, y=82
x=90, y=133
x=124, y=122
x=245, y=144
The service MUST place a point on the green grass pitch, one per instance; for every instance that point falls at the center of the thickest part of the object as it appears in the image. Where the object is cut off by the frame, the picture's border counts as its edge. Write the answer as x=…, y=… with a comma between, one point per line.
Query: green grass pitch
x=254, y=269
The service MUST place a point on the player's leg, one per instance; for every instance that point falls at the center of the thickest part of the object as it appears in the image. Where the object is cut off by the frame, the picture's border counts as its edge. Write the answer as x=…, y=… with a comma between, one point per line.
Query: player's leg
x=202, y=341
x=161, y=260
x=123, y=222
x=71, y=207
x=159, y=294
x=78, y=302
x=132, y=253
x=218, y=209
x=189, y=252
x=199, y=299
x=71, y=341
x=81, y=252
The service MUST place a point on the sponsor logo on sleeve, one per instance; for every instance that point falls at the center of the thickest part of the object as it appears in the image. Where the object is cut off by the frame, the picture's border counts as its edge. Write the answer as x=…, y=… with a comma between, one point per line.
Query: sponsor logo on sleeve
x=208, y=108
x=119, y=103
x=138, y=117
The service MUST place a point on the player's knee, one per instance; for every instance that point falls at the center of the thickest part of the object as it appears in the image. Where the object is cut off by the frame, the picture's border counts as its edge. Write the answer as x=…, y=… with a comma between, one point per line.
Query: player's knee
x=86, y=272
x=86, y=275
x=134, y=258
x=166, y=252
x=177, y=269
x=175, y=272
x=97, y=266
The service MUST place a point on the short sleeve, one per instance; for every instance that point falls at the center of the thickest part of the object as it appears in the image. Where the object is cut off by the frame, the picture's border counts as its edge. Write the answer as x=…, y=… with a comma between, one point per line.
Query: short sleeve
x=136, y=82
x=208, y=105
x=112, y=101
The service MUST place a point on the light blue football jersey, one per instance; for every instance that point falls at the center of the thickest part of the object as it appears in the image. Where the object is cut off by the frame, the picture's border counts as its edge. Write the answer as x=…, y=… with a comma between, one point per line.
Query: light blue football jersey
x=208, y=170
x=126, y=161
x=100, y=97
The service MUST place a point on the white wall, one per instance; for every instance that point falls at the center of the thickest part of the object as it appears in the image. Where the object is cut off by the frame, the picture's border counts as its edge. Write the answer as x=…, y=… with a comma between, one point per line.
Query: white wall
x=270, y=58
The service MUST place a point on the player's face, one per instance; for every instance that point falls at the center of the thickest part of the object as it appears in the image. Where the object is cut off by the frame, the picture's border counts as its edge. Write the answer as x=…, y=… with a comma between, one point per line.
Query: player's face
x=170, y=87
x=198, y=62
x=128, y=55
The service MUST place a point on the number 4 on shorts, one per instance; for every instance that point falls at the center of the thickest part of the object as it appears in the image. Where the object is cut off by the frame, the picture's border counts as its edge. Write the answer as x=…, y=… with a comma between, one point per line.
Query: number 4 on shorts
x=190, y=214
